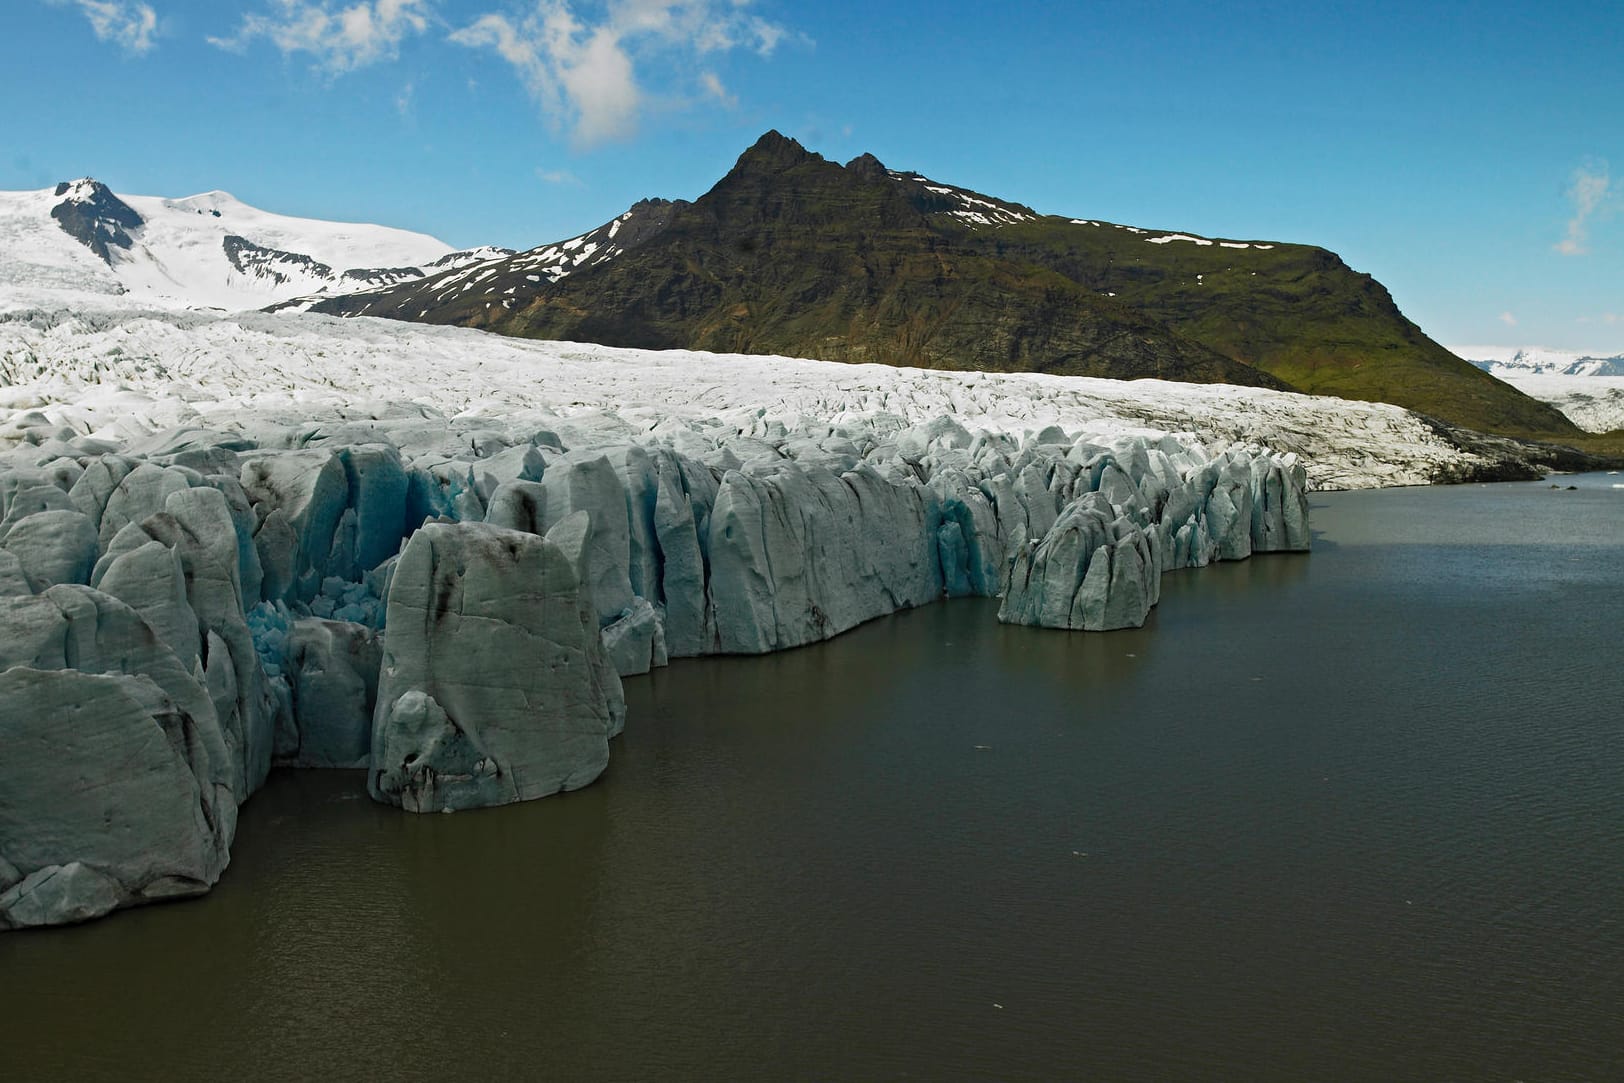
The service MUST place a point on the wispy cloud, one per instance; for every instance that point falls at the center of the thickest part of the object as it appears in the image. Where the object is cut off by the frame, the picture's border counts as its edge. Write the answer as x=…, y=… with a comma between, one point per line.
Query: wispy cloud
x=1591, y=185
x=338, y=39
x=713, y=86
x=584, y=72
x=1507, y=318
x=559, y=176
x=131, y=26
x=707, y=25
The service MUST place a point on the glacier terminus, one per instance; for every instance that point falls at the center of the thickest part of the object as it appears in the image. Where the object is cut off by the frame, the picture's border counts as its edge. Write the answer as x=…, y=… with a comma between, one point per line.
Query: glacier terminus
x=450, y=598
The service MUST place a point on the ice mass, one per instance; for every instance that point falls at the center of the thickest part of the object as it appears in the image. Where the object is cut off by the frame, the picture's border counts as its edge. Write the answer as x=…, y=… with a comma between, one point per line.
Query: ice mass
x=450, y=598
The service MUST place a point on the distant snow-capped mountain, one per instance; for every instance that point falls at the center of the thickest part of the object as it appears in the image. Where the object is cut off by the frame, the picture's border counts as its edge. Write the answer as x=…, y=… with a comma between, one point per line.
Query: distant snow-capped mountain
x=1588, y=388
x=81, y=243
x=1539, y=361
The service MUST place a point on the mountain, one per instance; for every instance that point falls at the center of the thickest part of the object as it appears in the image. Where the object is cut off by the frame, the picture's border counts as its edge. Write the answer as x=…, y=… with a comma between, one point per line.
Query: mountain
x=1540, y=361
x=793, y=254
x=447, y=285
x=81, y=243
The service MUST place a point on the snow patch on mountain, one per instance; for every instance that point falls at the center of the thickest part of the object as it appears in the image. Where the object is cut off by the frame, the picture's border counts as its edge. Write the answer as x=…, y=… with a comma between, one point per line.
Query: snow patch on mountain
x=1168, y=238
x=971, y=208
x=542, y=264
x=1201, y=242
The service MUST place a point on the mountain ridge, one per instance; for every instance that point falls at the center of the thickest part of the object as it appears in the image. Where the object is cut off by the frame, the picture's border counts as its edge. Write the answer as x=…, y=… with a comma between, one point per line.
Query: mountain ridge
x=790, y=253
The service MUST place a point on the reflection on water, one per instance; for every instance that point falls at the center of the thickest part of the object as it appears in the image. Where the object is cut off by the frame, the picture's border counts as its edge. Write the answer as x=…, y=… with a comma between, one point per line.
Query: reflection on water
x=1351, y=814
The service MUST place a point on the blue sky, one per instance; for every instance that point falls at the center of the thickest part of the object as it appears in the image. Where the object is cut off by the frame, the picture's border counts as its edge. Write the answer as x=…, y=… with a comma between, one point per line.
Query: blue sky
x=1462, y=153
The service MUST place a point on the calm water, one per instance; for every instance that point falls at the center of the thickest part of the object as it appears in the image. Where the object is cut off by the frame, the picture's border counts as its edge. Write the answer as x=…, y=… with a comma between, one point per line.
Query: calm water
x=1353, y=815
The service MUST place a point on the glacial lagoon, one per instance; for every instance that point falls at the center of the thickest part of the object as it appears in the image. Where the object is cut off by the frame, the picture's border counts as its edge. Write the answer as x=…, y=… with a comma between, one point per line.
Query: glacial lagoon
x=1349, y=814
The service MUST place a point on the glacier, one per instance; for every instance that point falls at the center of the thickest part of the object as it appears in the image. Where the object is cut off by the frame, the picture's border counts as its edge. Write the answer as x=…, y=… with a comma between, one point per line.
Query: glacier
x=230, y=543
x=1594, y=403
x=1587, y=387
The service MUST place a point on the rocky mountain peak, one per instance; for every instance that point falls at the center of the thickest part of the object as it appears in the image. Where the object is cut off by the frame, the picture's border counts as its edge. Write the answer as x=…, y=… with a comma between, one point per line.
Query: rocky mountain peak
x=91, y=214
x=867, y=167
x=774, y=152
x=778, y=186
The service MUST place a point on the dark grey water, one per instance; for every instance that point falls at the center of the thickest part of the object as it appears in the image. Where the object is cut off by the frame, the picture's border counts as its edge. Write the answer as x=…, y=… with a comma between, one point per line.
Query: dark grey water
x=1352, y=815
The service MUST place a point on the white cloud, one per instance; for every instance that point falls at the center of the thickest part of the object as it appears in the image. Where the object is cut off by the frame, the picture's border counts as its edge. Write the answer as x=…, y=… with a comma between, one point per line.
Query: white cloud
x=340, y=39
x=707, y=25
x=128, y=25
x=1591, y=185
x=713, y=86
x=584, y=73
x=1508, y=319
